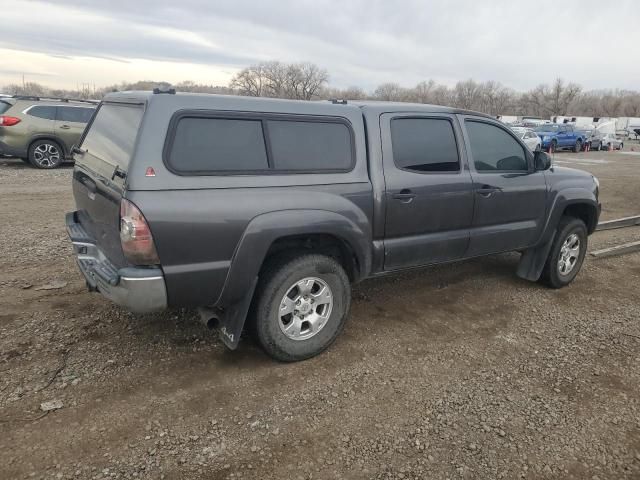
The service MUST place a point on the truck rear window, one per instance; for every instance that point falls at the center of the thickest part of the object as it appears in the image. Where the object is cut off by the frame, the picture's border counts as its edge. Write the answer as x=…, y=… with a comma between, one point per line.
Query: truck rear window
x=112, y=134
x=210, y=145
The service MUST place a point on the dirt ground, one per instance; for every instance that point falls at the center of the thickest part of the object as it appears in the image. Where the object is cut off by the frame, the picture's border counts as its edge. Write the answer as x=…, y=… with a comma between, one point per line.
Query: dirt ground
x=457, y=371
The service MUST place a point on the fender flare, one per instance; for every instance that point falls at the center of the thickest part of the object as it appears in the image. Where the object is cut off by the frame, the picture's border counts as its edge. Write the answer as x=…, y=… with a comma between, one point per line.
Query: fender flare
x=252, y=249
x=265, y=229
x=532, y=261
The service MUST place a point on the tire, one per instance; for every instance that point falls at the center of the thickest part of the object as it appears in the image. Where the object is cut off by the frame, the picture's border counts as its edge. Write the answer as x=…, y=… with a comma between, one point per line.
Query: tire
x=621, y=146
x=578, y=146
x=46, y=154
x=553, y=146
x=280, y=278
x=25, y=160
x=609, y=147
x=569, y=229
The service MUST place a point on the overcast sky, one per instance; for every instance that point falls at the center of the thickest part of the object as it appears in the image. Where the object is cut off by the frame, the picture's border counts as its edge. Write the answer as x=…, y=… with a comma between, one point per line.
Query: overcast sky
x=64, y=43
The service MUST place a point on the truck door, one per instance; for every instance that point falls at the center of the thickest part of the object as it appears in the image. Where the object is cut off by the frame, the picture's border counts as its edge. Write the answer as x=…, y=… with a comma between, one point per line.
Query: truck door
x=510, y=196
x=564, y=137
x=428, y=197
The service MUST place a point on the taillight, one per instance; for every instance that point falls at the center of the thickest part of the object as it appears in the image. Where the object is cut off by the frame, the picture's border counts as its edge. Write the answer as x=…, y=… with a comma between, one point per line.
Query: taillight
x=6, y=121
x=135, y=236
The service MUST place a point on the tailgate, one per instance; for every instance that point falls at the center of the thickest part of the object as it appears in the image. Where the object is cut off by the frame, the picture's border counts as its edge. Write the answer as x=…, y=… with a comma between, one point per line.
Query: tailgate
x=99, y=175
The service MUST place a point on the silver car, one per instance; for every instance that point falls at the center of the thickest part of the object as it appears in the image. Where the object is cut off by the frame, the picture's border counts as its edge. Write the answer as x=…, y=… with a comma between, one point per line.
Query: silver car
x=605, y=141
x=529, y=137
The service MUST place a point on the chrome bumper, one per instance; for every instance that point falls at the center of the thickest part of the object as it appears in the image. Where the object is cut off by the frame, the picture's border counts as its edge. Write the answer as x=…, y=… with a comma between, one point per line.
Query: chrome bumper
x=139, y=290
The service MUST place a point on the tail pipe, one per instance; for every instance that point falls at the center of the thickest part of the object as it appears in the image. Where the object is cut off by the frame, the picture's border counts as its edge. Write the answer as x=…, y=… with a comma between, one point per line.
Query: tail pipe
x=209, y=317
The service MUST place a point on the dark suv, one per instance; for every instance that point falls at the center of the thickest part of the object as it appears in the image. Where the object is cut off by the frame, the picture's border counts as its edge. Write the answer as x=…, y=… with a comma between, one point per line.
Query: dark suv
x=42, y=131
x=268, y=210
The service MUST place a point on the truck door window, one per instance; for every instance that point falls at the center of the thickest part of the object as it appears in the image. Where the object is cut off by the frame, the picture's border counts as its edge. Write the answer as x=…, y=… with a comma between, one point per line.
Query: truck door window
x=424, y=145
x=493, y=149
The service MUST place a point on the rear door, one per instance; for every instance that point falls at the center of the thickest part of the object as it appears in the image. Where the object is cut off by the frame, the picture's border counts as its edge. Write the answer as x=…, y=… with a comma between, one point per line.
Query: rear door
x=70, y=123
x=510, y=196
x=100, y=172
x=429, y=203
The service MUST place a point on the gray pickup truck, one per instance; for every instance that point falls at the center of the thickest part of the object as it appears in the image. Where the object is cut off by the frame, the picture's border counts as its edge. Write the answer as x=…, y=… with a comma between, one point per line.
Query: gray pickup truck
x=266, y=211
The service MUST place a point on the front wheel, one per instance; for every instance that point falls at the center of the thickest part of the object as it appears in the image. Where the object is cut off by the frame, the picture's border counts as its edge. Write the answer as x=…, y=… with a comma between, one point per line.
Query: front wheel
x=302, y=306
x=566, y=254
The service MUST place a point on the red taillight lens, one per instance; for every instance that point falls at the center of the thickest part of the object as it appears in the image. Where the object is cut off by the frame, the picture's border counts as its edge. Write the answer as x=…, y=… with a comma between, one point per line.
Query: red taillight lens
x=6, y=121
x=135, y=236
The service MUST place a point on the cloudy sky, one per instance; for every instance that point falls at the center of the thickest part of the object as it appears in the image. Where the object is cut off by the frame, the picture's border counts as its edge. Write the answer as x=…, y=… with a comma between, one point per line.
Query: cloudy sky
x=65, y=43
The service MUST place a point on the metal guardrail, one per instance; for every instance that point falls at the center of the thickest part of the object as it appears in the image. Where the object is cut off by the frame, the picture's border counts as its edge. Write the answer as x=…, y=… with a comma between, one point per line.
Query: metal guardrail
x=617, y=250
x=619, y=223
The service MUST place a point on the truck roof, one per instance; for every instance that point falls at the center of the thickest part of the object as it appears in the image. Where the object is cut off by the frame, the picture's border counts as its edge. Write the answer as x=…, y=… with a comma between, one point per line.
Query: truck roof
x=324, y=106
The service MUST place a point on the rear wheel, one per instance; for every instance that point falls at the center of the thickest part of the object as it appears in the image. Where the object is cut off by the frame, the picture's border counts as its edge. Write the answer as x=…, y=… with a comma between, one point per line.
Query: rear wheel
x=566, y=254
x=578, y=146
x=45, y=154
x=301, y=306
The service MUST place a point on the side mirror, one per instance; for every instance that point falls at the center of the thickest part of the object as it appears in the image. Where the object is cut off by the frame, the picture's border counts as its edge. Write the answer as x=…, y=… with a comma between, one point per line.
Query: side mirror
x=542, y=160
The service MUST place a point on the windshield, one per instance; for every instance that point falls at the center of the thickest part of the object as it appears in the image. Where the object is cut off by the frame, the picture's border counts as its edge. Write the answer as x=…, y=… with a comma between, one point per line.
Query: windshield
x=547, y=128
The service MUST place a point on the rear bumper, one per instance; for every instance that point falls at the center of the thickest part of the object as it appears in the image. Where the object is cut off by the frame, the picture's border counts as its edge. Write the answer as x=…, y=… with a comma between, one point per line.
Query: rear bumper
x=139, y=290
x=7, y=150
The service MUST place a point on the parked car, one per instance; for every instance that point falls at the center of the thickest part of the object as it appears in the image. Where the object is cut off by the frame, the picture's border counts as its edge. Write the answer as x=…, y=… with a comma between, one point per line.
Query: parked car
x=605, y=141
x=42, y=131
x=556, y=137
x=529, y=137
x=270, y=209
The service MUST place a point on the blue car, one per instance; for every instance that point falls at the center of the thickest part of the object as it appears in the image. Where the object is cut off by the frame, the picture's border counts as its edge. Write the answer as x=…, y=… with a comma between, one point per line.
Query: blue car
x=556, y=137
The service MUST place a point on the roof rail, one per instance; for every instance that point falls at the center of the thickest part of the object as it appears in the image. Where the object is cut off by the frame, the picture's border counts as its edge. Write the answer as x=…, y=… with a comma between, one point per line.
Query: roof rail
x=58, y=99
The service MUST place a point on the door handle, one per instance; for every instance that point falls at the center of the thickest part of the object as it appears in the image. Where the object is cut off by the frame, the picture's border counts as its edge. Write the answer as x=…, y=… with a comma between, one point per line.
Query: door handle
x=487, y=190
x=65, y=127
x=405, y=195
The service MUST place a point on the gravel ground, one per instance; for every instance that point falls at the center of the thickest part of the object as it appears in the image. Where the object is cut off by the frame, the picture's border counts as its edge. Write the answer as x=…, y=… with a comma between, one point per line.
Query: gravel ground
x=458, y=371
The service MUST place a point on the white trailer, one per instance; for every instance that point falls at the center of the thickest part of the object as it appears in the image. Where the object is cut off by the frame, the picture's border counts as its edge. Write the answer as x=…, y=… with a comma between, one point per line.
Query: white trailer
x=627, y=126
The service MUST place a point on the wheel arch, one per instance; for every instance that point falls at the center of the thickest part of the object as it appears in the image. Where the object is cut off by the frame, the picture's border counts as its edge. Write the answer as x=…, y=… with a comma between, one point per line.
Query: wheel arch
x=314, y=230
x=51, y=138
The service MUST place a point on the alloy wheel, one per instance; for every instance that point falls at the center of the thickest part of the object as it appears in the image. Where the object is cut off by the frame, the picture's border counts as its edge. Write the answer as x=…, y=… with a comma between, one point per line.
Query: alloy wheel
x=305, y=308
x=569, y=254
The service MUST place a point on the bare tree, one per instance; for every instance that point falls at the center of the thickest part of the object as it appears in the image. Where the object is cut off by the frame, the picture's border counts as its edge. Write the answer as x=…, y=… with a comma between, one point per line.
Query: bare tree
x=250, y=81
x=307, y=81
x=390, y=92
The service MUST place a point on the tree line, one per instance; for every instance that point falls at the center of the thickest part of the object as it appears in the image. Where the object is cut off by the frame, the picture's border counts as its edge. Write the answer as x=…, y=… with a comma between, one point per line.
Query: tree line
x=307, y=81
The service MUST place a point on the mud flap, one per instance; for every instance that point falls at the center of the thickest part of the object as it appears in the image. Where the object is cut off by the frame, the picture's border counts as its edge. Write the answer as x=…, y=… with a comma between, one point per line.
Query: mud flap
x=533, y=260
x=232, y=320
